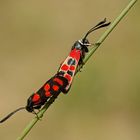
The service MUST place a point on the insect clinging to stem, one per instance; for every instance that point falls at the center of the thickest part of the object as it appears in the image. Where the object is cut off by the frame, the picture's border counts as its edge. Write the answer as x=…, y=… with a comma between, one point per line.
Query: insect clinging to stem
x=62, y=80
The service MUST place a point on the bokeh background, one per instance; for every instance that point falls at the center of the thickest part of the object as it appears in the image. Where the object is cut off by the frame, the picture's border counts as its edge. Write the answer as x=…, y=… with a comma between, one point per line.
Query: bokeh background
x=104, y=101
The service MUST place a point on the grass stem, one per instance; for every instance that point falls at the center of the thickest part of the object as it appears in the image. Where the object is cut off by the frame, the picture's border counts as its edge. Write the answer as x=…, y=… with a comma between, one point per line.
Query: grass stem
x=99, y=42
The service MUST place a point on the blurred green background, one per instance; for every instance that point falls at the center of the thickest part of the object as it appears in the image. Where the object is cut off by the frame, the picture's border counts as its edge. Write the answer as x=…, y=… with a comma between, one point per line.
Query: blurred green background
x=104, y=101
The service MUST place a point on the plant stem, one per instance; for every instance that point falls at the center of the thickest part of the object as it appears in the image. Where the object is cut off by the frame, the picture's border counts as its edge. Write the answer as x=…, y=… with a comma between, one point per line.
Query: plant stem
x=108, y=31
x=99, y=42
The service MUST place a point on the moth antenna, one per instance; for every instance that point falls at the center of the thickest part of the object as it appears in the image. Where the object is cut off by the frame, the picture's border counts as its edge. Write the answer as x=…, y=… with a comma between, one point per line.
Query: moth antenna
x=12, y=113
x=99, y=25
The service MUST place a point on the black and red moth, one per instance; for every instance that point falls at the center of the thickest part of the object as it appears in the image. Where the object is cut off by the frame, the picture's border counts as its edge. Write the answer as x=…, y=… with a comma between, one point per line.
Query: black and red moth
x=62, y=80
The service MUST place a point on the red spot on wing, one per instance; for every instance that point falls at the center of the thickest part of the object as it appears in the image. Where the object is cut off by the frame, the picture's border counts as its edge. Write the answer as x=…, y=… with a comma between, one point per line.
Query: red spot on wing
x=75, y=54
x=55, y=87
x=48, y=94
x=72, y=68
x=68, y=77
x=60, y=82
x=36, y=98
x=47, y=87
x=64, y=67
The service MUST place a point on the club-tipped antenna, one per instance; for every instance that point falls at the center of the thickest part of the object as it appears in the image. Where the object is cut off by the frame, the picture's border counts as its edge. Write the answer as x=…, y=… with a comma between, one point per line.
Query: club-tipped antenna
x=99, y=25
x=12, y=113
